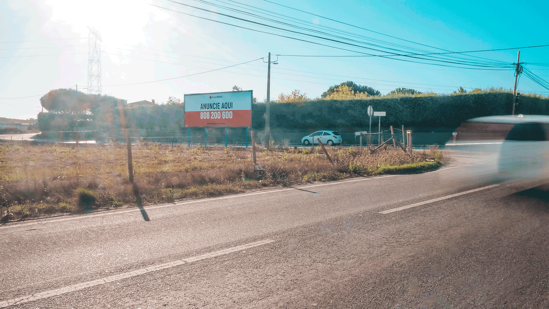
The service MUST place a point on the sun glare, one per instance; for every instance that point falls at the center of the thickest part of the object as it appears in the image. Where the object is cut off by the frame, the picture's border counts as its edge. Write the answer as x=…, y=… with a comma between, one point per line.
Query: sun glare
x=120, y=21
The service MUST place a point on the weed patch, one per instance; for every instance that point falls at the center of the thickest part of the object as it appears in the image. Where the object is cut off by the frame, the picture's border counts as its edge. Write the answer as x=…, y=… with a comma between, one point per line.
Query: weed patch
x=41, y=180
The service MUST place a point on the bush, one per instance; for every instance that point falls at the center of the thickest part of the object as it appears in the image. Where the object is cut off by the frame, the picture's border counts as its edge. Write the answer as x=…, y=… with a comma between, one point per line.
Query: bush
x=86, y=198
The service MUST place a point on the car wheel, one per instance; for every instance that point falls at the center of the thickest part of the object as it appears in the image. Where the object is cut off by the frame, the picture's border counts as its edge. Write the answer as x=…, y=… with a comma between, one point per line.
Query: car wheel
x=306, y=142
x=330, y=143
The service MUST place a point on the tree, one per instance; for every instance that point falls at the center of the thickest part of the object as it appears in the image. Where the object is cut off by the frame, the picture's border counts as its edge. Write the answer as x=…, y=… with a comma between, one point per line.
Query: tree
x=173, y=101
x=403, y=91
x=460, y=90
x=66, y=101
x=355, y=87
x=236, y=88
x=344, y=92
x=294, y=97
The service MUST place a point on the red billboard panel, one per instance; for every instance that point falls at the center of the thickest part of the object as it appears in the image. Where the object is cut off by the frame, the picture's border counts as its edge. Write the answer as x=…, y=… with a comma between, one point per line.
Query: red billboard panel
x=220, y=109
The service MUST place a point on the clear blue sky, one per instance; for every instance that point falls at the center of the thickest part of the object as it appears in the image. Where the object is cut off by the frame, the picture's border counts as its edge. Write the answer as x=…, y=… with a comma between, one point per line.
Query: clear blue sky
x=44, y=46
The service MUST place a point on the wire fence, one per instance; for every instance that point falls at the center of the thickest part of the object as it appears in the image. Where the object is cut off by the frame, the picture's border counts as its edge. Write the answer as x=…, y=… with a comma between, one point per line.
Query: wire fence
x=229, y=137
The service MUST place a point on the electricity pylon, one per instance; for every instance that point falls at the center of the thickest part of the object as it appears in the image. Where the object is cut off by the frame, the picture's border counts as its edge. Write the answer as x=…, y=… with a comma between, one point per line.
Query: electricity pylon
x=94, y=62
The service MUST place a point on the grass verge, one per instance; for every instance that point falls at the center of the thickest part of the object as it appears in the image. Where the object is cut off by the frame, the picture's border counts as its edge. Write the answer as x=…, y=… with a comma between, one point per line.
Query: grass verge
x=43, y=180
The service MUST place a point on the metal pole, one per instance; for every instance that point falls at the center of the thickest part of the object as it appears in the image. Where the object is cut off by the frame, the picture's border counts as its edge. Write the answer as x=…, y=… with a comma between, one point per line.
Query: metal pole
x=517, y=72
x=205, y=137
x=247, y=137
x=409, y=137
x=268, y=103
x=189, y=136
x=379, y=130
x=370, y=124
x=225, y=137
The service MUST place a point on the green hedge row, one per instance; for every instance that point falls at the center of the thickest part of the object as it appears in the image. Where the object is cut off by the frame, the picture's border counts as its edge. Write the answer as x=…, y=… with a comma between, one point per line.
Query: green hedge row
x=419, y=111
x=447, y=111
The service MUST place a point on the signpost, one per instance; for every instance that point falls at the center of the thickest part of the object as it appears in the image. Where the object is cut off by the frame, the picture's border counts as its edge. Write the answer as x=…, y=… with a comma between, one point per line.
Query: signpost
x=380, y=114
x=370, y=112
x=232, y=109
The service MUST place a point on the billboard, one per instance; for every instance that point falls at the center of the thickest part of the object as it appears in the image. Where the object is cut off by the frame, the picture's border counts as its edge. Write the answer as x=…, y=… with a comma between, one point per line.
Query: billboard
x=220, y=109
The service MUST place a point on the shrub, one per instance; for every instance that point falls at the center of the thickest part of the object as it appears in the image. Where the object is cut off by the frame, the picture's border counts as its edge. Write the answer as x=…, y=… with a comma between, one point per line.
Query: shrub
x=86, y=198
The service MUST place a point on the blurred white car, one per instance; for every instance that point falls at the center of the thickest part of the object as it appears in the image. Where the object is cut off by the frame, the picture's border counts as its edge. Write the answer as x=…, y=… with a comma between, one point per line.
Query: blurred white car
x=524, y=153
x=326, y=137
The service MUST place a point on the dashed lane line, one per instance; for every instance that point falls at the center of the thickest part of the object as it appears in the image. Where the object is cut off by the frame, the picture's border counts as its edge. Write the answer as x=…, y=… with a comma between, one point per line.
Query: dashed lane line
x=385, y=212
x=88, y=284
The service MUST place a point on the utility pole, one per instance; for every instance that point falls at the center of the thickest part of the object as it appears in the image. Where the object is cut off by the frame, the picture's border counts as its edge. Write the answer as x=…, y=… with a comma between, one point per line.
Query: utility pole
x=268, y=107
x=518, y=70
x=268, y=103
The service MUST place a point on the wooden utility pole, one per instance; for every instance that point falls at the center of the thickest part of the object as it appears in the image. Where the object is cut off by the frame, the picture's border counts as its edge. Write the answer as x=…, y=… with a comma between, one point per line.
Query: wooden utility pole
x=517, y=72
x=268, y=103
x=128, y=141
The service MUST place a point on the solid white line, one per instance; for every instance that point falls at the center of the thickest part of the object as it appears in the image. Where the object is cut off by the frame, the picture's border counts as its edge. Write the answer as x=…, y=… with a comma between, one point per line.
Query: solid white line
x=190, y=202
x=83, y=285
x=468, y=144
x=436, y=200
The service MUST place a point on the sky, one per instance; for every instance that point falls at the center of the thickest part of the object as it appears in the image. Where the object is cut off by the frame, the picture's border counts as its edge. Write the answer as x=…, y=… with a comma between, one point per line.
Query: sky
x=153, y=49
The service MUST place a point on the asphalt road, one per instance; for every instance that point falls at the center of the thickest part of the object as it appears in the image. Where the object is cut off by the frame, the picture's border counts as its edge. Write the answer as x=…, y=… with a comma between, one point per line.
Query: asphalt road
x=447, y=239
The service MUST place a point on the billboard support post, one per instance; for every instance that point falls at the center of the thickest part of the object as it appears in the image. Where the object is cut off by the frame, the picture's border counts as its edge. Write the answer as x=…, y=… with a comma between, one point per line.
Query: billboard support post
x=247, y=138
x=189, y=136
x=205, y=137
x=225, y=137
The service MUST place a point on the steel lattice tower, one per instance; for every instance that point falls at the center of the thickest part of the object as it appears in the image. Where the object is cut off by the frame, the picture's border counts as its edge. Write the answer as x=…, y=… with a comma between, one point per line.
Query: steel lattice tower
x=94, y=62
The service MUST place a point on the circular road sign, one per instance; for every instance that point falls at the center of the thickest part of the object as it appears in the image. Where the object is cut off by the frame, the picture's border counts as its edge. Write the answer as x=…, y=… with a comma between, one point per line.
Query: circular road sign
x=370, y=110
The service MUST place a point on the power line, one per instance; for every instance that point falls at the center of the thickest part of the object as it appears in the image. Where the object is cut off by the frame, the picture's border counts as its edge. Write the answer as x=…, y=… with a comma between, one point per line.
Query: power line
x=188, y=75
x=535, y=78
x=446, y=53
x=232, y=9
x=35, y=41
x=31, y=56
x=334, y=40
x=39, y=47
x=320, y=44
x=31, y=96
x=358, y=27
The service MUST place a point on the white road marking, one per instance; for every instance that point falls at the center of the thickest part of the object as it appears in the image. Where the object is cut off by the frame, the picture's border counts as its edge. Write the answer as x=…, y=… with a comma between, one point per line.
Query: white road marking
x=190, y=202
x=80, y=286
x=436, y=200
x=468, y=144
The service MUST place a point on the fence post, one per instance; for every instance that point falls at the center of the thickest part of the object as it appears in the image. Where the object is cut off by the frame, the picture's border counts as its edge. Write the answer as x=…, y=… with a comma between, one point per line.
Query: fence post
x=393, y=136
x=325, y=151
x=128, y=142
x=403, y=136
x=360, y=140
x=253, y=147
x=409, y=138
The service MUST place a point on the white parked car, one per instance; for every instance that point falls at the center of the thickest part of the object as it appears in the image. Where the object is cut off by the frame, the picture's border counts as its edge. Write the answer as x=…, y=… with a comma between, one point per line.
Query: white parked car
x=326, y=137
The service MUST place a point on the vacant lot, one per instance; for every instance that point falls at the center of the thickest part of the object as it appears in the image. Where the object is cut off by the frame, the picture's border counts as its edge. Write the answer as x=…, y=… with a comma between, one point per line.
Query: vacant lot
x=40, y=180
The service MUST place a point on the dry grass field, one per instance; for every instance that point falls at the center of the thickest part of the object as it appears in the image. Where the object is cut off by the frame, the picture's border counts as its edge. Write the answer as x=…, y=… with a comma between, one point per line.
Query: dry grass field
x=39, y=180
